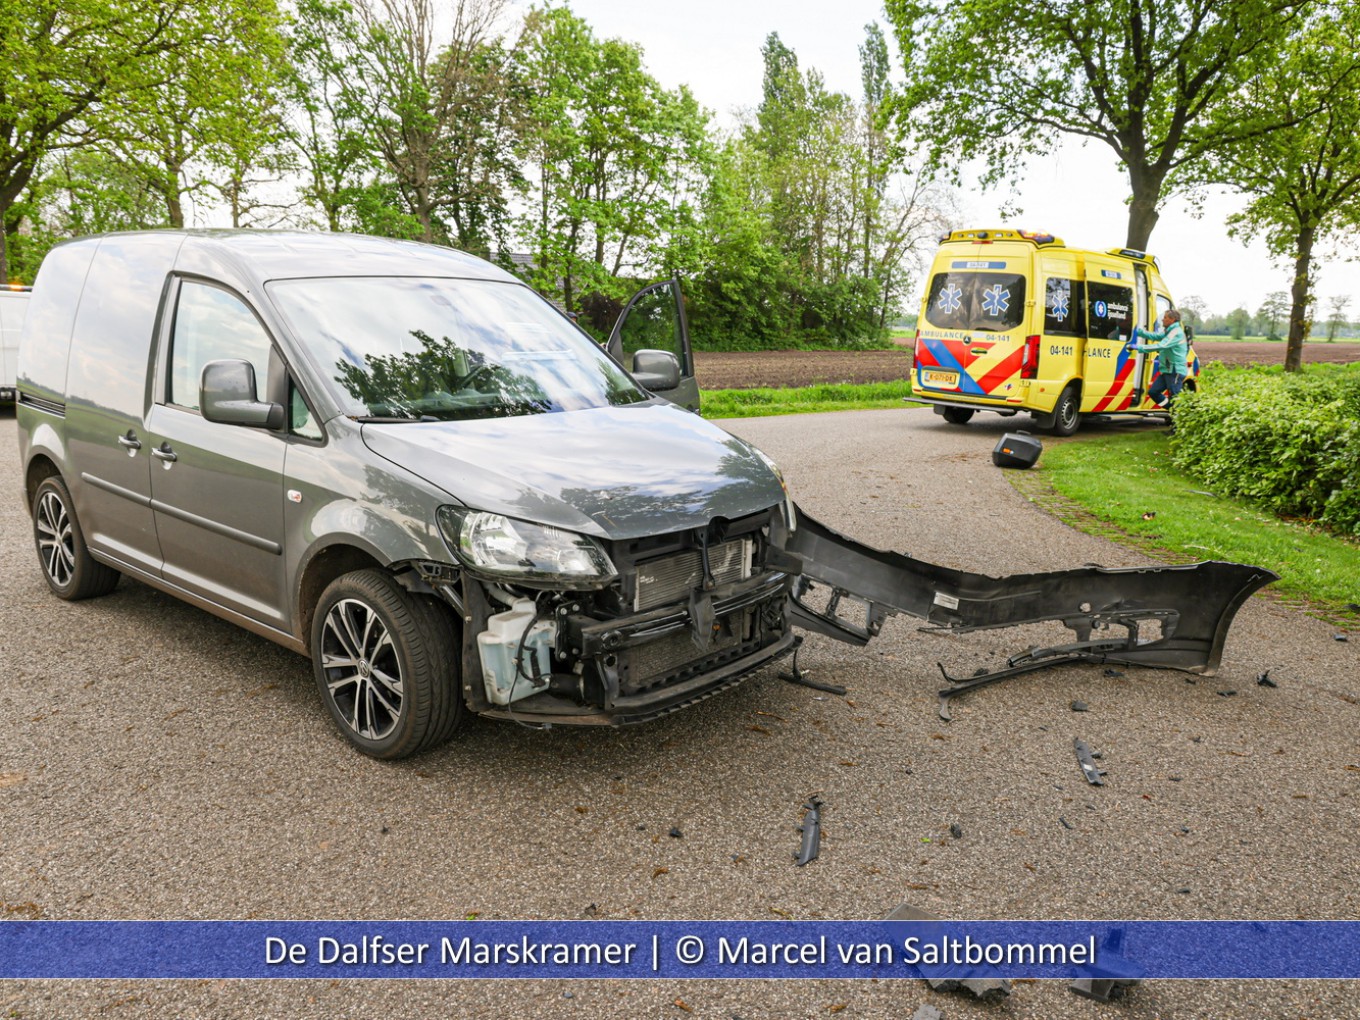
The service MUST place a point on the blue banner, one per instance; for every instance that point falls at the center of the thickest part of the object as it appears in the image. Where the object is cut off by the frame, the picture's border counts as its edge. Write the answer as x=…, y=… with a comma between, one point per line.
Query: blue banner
x=680, y=949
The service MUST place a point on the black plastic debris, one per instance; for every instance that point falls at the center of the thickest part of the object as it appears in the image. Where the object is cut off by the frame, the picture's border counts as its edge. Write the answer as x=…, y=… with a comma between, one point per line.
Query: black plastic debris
x=1340, y=637
x=811, y=830
x=1175, y=779
x=1065, y=823
x=1228, y=693
x=1087, y=762
x=1265, y=681
x=983, y=988
x=1183, y=890
x=1113, y=672
x=1080, y=706
x=956, y=830
x=1353, y=607
x=675, y=832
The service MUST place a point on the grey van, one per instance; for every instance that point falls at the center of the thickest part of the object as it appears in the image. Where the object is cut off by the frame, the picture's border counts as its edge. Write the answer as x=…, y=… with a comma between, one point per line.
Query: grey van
x=405, y=464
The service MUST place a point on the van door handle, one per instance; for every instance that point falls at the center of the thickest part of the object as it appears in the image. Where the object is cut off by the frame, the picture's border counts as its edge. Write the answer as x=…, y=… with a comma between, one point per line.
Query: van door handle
x=163, y=452
x=130, y=441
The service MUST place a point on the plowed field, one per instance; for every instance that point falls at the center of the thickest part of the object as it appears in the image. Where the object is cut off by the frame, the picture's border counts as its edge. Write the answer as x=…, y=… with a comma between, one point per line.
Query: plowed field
x=745, y=370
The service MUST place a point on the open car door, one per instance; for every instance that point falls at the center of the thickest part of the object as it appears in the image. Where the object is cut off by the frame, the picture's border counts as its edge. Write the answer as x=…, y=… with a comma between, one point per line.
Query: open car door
x=651, y=340
x=1173, y=617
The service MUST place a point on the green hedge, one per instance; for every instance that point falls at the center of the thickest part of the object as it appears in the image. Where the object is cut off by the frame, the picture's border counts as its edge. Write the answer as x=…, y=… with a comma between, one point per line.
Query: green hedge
x=1288, y=441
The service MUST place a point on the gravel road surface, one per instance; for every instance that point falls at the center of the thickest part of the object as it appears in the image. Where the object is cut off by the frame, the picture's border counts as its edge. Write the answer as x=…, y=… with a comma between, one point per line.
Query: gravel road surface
x=159, y=763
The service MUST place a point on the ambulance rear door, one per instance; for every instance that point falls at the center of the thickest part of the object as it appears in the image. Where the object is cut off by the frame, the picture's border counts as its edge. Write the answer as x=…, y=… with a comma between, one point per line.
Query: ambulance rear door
x=1111, y=313
x=972, y=338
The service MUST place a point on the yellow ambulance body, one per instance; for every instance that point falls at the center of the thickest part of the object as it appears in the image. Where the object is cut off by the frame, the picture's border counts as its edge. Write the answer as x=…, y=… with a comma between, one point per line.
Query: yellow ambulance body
x=1016, y=321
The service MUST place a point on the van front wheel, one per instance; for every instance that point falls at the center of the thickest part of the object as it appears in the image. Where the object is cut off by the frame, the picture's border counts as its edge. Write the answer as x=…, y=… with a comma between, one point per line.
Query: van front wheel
x=385, y=662
x=958, y=415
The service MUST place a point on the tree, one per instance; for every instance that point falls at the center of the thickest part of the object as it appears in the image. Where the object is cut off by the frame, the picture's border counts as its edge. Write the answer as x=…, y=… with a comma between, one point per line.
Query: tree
x=324, y=126
x=1000, y=82
x=210, y=117
x=1303, y=181
x=62, y=65
x=1193, y=311
x=1337, y=318
x=431, y=93
x=1239, y=319
x=1274, y=307
x=615, y=158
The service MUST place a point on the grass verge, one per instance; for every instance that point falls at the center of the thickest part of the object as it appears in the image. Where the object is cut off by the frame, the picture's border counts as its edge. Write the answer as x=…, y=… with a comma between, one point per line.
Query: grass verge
x=1124, y=488
x=804, y=399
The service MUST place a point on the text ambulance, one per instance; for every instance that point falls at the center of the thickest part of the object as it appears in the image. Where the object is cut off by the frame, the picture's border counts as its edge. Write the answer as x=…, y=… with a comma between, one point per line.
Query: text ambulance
x=1017, y=321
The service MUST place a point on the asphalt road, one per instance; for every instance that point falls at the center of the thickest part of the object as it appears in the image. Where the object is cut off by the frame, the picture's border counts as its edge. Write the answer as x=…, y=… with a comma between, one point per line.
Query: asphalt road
x=158, y=763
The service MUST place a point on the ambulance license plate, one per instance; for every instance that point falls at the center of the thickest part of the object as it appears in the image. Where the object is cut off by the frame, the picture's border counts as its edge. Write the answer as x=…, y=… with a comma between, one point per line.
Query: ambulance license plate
x=943, y=380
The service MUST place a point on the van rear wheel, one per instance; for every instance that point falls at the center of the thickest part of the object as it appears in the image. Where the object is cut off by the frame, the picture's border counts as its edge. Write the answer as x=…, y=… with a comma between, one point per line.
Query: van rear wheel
x=1065, y=416
x=69, y=569
x=958, y=415
x=386, y=663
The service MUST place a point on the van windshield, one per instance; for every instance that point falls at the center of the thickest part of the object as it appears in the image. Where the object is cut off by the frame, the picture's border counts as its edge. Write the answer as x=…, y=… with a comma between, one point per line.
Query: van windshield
x=986, y=302
x=413, y=348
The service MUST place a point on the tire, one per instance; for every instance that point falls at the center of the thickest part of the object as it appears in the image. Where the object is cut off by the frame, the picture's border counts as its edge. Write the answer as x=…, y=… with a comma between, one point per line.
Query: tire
x=958, y=415
x=67, y=566
x=1066, y=413
x=386, y=664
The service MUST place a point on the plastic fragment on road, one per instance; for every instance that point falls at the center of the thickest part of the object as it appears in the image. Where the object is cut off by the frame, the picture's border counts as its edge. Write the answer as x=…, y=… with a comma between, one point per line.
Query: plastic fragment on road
x=950, y=977
x=1086, y=760
x=811, y=828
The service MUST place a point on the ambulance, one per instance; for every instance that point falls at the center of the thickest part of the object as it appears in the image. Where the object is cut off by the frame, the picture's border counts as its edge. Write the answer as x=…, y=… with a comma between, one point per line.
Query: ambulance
x=1017, y=321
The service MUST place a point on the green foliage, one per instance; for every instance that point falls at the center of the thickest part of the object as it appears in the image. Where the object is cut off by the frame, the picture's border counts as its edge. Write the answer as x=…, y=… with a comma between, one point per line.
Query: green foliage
x=64, y=64
x=998, y=81
x=1288, y=442
x=758, y=403
x=613, y=158
x=1302, y=181
x=1132, y=482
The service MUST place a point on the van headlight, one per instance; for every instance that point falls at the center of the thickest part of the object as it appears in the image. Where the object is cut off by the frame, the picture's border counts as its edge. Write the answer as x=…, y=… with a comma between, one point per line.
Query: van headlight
x=504, y=547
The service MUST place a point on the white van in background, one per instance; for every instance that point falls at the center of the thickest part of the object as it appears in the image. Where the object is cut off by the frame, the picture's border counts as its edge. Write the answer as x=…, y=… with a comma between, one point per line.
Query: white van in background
x=13, y=308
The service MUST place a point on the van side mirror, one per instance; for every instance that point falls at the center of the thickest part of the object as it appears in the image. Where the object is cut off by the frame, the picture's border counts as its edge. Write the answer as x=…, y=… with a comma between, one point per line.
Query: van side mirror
x=226, y=394
x=656, y=370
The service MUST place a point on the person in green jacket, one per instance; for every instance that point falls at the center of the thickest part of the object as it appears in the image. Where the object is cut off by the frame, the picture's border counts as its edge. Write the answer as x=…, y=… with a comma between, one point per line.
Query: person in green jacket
x=1173, y=351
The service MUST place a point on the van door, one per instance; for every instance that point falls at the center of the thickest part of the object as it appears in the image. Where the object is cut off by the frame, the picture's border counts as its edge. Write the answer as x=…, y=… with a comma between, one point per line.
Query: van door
x=107, y=444
x=217, y=489
x=1108, y=366
x=654, y=320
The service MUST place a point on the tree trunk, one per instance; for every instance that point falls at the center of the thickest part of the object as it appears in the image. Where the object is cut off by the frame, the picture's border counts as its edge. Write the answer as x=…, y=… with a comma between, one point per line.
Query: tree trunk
x=1143, y=210
x=4, y=248
x=1299, y=324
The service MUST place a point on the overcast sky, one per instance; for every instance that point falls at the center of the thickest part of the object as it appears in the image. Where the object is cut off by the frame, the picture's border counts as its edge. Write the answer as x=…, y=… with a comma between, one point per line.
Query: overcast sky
x=1077, y=194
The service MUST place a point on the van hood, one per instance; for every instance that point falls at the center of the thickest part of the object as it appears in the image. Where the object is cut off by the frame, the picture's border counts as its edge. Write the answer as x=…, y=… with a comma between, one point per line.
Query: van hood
x=612, y=472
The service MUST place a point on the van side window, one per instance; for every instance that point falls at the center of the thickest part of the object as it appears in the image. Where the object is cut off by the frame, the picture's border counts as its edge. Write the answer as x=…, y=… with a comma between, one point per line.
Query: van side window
x=210, y=325
x=300, y=420
x=1111, y=311
x=1163, y=306
x=1064, y=307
